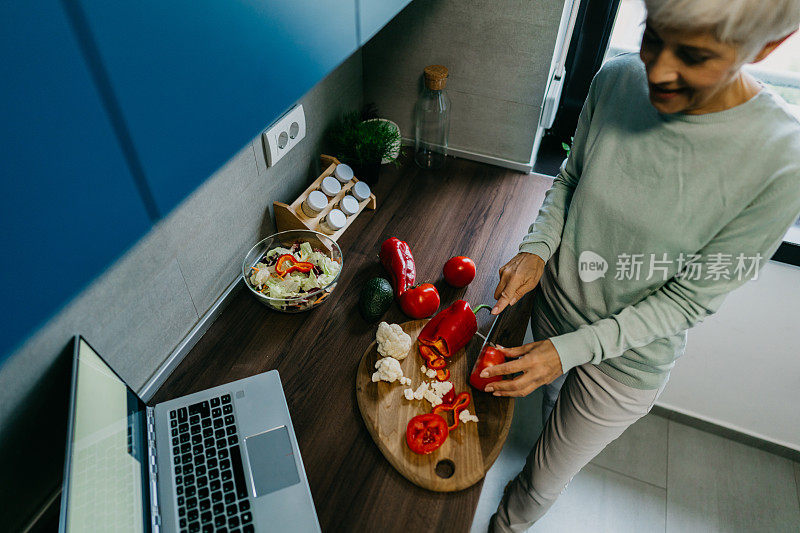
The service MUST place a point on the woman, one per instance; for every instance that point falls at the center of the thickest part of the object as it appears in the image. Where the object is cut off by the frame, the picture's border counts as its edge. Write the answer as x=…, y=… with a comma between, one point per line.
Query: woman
x=683, y=177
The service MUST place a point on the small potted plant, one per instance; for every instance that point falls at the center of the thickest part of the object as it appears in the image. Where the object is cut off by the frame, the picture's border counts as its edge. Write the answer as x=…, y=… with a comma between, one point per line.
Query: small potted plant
x=364, y=142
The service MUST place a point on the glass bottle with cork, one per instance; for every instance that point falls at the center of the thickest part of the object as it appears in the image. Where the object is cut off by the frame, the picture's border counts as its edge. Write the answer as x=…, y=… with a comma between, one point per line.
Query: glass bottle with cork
x=432, y=119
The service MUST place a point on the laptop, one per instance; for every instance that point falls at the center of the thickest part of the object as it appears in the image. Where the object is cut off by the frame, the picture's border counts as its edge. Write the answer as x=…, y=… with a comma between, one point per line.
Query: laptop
x=225, y=459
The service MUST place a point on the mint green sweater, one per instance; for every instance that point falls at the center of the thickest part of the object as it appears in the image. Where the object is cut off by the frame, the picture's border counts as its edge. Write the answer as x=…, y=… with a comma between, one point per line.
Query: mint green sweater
x=692, y=196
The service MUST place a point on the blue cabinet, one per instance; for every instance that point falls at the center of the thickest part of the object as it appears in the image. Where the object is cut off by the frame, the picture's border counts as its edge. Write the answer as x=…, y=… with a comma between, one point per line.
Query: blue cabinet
x=374, y=14
x=196, y=80
x=69, y=204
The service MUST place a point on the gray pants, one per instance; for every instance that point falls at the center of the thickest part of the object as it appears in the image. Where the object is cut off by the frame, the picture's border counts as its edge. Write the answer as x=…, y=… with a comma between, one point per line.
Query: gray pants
x=550, y=395
x=591, y=410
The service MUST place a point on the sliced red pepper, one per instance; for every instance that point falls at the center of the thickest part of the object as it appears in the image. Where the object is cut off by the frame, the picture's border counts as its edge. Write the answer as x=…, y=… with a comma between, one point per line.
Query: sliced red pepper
x=427, y=353
x=461, y=402
x=443, y=374
x=451, y=329
x=450, y=397
x=437, y=363
x=425, y=433
x=287, y=263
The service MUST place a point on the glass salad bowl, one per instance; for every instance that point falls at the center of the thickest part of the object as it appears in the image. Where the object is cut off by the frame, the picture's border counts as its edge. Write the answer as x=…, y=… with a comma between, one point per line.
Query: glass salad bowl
x=293, y=271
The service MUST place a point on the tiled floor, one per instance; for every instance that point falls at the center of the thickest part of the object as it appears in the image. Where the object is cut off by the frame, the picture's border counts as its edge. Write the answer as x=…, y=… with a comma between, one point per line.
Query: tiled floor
x=658, y=476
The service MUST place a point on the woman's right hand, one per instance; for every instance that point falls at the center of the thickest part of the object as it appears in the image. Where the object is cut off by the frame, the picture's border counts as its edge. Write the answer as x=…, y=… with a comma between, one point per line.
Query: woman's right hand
x=517, y=278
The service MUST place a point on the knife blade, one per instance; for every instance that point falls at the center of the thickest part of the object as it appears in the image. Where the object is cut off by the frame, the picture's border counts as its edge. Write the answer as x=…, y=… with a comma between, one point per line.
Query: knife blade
x=489, y=333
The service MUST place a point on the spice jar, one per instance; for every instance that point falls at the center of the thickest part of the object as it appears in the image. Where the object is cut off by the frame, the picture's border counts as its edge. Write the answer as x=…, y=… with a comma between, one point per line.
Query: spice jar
x=361, y=191
x=349, y=205
x=334, y=221
x=330, y=186
x=343, y=173
x=314, y=203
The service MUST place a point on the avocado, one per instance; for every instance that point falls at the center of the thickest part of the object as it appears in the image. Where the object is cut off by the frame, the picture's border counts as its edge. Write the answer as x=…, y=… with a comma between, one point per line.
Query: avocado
x=375, y=299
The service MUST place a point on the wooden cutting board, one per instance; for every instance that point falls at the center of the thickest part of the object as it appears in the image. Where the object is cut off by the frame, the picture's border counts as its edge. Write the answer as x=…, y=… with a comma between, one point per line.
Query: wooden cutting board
x=469, y=450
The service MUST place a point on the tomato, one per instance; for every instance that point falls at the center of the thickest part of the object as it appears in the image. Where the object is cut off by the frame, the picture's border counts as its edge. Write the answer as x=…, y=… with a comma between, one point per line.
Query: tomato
x=459, y=271
x=489, y=357
x=420, y=301
x=425, y=433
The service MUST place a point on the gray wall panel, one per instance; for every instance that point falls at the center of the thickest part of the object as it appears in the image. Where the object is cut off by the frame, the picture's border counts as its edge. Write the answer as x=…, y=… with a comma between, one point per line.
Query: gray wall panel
x=498, y=55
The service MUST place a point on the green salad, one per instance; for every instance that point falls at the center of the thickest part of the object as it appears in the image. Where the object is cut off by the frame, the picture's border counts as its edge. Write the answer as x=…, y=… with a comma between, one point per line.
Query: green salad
x=306, y=272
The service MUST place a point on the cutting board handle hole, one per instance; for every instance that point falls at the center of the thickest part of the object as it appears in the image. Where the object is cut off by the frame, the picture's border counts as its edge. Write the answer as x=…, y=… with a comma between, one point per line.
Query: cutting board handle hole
x=445, y=469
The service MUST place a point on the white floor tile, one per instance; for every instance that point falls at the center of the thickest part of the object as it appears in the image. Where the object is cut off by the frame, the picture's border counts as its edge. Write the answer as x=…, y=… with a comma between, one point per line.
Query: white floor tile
x=640, y=452
x=718, y=485
x=601, y=501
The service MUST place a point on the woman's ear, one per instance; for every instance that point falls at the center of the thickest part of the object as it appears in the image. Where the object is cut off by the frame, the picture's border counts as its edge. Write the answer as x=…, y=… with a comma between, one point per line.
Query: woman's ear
x=769, y=47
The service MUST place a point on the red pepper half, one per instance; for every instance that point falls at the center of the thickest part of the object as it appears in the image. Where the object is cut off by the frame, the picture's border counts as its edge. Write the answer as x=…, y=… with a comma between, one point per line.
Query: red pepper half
x=396, y=258
x=287, y=263
x=461, y=402
x=451, y=329
x=443, y=374
x=490, y=356
x=425, y=433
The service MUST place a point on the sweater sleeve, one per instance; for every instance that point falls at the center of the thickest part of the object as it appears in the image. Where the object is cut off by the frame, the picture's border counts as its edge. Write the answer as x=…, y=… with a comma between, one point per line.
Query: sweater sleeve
x=544, y=235
x=682, y=302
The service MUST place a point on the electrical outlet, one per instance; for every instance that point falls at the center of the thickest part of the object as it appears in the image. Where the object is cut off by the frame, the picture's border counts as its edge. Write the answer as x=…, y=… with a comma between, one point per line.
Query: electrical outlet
x=284, y=134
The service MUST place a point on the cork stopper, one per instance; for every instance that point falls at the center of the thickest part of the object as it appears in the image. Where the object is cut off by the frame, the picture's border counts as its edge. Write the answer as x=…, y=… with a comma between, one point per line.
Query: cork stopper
x=435, y=77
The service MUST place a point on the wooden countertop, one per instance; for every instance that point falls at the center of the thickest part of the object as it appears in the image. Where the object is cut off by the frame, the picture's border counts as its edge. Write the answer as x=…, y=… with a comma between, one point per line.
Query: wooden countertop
x=466, y=209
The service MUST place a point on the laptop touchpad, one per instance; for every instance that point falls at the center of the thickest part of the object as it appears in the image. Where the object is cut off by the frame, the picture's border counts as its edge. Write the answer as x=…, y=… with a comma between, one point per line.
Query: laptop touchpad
x=272, y=464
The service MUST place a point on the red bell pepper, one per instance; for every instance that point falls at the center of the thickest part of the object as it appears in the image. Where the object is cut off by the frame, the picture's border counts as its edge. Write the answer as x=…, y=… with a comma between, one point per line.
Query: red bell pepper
x=287, y=263
x=451, y=329
x=461, y=402
x=490, y=356
x=443, y=374
x=396, y=258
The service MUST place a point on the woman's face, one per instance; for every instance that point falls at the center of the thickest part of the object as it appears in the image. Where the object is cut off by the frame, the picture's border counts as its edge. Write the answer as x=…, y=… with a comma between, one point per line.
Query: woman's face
x=687, y=72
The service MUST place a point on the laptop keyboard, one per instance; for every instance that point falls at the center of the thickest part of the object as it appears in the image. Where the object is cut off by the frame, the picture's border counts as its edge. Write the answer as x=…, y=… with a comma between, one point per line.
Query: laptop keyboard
x=209, y=476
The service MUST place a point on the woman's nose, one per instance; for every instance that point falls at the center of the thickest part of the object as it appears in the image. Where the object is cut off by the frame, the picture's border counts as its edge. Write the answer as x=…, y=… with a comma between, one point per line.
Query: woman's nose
x=662, y=68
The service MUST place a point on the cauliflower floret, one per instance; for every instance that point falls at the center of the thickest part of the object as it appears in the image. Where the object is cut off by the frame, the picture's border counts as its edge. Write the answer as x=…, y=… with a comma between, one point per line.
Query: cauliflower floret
x=423, y=369
x=431, y=373
x=388, y=370
x=436, y=390
x=432, y=391
x=440, y=388
x=393, y=341
x=465, y=416
x=421, y=390
x=432, y=397
x=405, y=381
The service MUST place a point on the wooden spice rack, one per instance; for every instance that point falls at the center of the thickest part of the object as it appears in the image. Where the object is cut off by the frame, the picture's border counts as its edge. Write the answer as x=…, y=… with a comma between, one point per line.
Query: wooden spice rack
x=289, y=217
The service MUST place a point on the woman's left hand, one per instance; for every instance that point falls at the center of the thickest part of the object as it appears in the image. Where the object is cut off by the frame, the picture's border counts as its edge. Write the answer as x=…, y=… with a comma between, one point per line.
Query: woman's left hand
x=538, y=361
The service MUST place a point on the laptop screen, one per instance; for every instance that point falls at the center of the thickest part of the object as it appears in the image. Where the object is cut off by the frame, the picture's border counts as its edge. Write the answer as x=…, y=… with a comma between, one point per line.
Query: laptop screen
x=105, y=483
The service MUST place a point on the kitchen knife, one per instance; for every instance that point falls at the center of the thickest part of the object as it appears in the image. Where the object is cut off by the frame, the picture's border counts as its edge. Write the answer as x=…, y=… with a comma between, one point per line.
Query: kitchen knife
x=489, y=333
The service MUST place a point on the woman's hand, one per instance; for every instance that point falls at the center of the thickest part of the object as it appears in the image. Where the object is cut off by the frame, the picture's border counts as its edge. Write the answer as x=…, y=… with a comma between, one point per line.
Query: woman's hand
x=517, y=278
x=538, y=361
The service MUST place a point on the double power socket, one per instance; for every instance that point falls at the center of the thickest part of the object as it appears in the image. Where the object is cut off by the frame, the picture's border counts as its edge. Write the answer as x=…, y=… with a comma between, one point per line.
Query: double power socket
x=284, y=134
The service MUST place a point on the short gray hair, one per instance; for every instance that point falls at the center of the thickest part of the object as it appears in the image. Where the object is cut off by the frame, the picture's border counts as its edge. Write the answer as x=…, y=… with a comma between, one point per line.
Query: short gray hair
x=747, y=24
